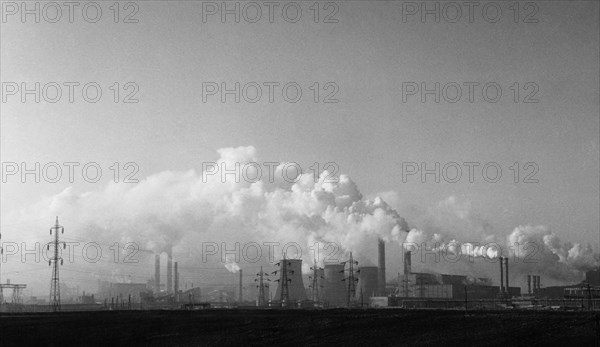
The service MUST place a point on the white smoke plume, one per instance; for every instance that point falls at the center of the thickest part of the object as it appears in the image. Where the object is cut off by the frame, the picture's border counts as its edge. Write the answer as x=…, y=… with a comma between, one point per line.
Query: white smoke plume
x=178, y=209
x=542, y=250
x=231, y=265
x=452, y=228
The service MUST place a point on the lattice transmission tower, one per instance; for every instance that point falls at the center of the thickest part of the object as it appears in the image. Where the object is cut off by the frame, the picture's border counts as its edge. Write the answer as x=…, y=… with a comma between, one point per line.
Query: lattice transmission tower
x=316, y=282
x=283, y=280
x=262, y=287
x=54, y=282
x=351, y=280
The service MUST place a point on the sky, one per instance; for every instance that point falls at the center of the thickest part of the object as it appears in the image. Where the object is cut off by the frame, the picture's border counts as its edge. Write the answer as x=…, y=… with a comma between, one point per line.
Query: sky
x=367, y=55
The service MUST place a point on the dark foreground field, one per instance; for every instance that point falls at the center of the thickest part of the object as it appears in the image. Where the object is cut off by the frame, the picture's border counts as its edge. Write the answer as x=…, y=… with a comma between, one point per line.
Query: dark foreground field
x=299, y=327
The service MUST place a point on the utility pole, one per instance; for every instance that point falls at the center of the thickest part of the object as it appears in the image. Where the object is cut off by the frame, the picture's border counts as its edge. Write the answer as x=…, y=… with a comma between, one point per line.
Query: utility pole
x=54, y=282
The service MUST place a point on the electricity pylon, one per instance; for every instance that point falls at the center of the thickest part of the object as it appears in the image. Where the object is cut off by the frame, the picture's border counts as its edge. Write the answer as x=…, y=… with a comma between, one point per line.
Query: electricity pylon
x=283, y=281
x=55, y=283
x=262, y=297
x=316, y=282
x=351, y=280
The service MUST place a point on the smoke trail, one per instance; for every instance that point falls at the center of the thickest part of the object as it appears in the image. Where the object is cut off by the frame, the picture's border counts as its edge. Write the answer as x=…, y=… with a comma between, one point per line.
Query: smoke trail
x=452, y=229
x=178, y=209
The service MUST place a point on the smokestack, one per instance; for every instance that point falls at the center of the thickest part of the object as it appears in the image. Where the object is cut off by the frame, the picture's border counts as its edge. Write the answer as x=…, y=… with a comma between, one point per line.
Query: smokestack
x=176, y=283
x=240, y=289
x=381, y=270
x=506, y=268
x=528, y=284
x=169, y=269
x=501, y=275
x=157, y=272
x=407, y=264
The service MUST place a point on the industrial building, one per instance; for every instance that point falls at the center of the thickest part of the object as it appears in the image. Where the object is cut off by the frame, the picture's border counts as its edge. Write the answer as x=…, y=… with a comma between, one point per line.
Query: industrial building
x=332, y=287
x=589, y=288
x=452, y=287
x=409, y=285
x=343, y=284
x=121, y=291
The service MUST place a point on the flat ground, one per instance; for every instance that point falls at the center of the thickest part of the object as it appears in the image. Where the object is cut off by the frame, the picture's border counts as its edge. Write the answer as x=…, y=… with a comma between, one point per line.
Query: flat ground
x=300, y=327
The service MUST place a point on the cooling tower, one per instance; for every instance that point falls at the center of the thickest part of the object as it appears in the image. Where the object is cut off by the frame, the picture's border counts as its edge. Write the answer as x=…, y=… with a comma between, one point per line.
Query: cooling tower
x=367, y=283
x=334, y=290
x=381, y=273
x=296, y=290
x=157, y=272
x=407, y=263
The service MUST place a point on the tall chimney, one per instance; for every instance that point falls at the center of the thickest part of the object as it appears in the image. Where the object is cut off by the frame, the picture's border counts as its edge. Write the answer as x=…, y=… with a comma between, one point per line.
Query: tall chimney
x=407, y=264
x=528, y=284
x=381, y=269
x=157, y=272
x=240, y=290
x=506, y=268
x=169, y=285
x=501, y=275
x=407, y=271
x=176, y=283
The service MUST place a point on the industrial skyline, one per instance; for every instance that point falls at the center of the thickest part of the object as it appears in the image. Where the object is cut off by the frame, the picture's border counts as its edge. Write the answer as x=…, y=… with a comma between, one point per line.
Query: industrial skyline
x=297, y=165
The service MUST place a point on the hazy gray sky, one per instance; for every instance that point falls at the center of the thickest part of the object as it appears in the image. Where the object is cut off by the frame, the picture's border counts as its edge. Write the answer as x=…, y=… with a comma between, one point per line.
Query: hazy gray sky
x=369, y=133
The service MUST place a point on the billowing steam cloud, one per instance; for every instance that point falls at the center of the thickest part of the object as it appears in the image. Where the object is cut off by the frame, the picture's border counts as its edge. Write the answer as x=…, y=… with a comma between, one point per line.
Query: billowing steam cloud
x=538, y=246
x=452, y=228
x=181, y=210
